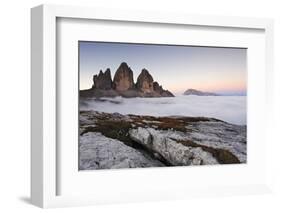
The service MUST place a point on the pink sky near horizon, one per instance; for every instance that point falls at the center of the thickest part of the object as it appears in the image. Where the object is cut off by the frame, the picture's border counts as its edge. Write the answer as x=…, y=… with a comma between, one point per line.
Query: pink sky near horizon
x=211, y=86
x=176, y=68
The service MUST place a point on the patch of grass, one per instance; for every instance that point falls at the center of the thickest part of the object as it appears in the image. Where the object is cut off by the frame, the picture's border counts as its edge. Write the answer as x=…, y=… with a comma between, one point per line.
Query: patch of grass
x=162, y=123
x=199, y=119
x=166, y=123
x=171, y=123
x=105, y=120
x=195, y=119
x=223, y=156
x=112, y=129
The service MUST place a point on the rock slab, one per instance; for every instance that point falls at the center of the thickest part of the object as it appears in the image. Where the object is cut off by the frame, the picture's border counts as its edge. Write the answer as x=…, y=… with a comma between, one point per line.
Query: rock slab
x=113, y=140
x=100, y=152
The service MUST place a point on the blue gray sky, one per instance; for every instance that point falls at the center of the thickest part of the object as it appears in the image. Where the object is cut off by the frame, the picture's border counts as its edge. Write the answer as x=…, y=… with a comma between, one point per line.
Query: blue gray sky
x=176, y=68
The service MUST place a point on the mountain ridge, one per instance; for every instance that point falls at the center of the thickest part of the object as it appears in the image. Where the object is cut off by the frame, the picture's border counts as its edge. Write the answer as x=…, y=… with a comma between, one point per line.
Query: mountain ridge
x=123, y=84
x=199, y=93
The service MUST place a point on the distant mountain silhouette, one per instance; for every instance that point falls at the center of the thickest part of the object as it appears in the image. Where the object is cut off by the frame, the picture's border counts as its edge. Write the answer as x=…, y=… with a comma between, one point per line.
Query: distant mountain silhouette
x=199, y=93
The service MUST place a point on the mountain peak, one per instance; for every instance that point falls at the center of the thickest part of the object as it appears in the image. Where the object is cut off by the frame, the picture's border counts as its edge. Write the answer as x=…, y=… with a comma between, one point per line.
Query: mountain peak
x=124, y=65
x=123, y=78
x=199, y=93
x=145, y=81
x=123, y=84
x=103, y=80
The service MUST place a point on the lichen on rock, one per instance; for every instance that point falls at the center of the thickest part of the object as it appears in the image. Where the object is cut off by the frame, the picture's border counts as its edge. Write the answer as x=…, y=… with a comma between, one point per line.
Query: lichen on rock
x=163, y=141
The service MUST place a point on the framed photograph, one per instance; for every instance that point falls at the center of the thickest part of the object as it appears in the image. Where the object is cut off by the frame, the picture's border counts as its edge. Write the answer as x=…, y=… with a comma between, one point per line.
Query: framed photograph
x=130, y=106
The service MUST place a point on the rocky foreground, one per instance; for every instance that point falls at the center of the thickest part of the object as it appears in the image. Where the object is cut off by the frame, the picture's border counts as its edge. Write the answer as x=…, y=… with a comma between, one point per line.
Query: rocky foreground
x=110, y=141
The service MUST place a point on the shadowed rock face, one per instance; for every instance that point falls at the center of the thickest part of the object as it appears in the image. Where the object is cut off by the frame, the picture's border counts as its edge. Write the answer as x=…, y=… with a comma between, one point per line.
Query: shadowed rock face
x=157, y=87
x=145, y=82
x=159, y=90
x=103, y=80
x=123, y=78
x=123, y=85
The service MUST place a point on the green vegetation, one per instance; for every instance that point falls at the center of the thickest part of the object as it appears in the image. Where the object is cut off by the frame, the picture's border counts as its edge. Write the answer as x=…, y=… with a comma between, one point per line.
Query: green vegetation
x=112, y=129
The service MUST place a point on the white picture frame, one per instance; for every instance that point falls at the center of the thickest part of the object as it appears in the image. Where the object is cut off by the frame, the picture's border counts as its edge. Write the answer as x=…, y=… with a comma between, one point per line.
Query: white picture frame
x=45, y=166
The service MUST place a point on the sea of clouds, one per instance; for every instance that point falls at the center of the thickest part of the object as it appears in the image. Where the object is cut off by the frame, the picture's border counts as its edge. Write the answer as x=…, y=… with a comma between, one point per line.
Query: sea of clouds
x=231, y=109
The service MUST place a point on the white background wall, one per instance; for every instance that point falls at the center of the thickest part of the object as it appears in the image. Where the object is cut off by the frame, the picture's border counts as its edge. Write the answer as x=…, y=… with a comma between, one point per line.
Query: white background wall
x=15, y=103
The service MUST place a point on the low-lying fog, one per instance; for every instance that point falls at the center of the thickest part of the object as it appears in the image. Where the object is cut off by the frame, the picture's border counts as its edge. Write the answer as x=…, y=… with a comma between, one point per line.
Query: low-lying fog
x=231, y=109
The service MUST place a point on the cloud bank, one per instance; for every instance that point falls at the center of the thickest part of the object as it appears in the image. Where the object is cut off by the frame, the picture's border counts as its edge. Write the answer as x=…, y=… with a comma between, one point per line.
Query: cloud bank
x=231, y=109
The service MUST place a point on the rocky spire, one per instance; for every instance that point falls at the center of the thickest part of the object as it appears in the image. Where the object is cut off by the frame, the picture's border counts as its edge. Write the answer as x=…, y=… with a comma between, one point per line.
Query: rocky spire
x=123, y=84
x=123, y=78
x=145, y=82
x=157, y=87
x=103, y=80
x=159, y=90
